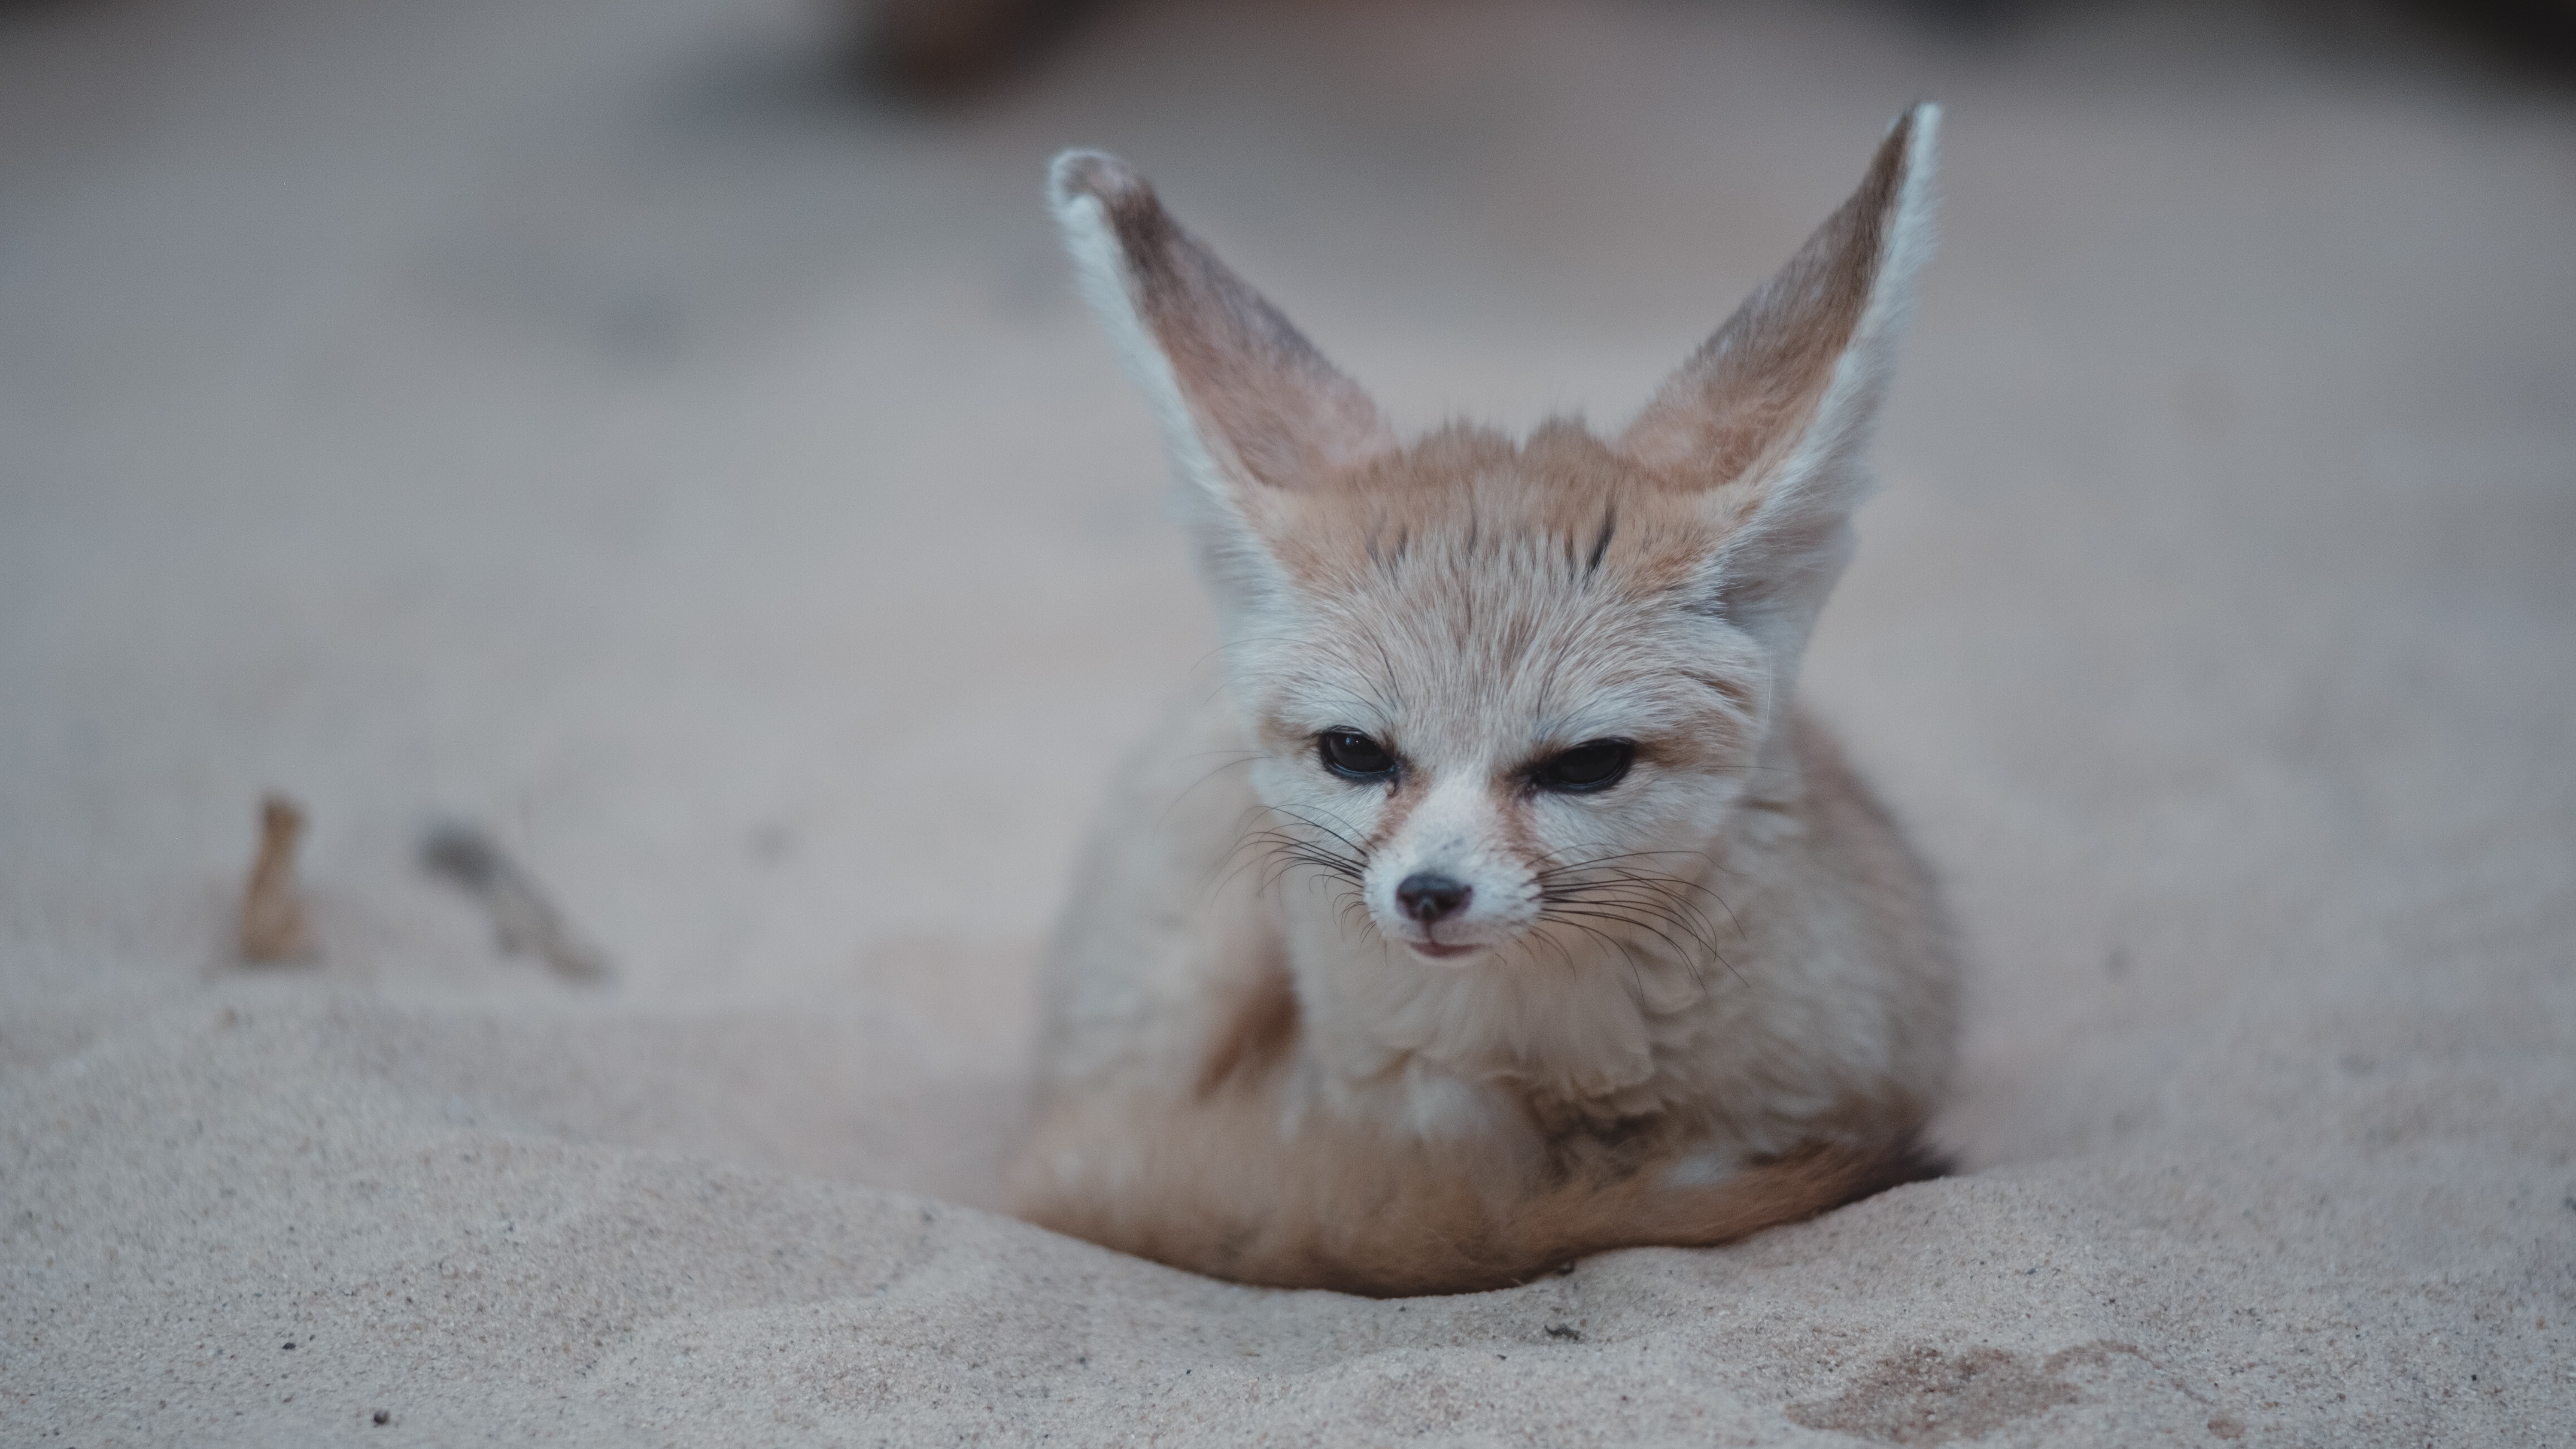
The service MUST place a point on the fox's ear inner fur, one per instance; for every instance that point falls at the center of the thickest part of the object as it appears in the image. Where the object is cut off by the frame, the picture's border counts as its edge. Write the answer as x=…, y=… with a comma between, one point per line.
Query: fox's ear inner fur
x=1246, y=399
x=1771, y=416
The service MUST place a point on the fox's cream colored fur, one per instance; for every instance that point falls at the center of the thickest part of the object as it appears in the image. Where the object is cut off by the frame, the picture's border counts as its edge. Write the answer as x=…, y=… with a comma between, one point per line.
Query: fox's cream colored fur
x=1712, y=996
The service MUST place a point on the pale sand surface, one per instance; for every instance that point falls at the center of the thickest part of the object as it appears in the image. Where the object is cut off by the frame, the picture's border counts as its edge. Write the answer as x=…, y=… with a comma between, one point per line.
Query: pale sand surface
x=569, y=415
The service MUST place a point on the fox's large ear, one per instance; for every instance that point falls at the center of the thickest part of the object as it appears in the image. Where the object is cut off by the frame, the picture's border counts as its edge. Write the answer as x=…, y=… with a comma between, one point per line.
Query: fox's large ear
x=1247, y=403
x=1771, y=415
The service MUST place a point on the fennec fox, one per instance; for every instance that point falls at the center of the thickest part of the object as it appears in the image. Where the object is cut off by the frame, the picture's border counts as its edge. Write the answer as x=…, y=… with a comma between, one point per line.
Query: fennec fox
x=1535, y=920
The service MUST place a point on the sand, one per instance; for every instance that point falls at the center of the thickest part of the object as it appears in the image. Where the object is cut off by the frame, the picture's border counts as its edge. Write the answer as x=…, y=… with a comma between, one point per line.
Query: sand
x=576, y=418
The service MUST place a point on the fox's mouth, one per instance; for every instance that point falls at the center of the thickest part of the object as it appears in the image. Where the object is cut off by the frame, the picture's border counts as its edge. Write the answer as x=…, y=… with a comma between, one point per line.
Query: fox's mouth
x=1436, y=951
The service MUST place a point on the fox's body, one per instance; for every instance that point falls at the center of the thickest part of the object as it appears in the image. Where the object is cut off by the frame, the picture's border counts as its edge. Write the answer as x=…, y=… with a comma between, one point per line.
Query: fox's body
x=1503, y=908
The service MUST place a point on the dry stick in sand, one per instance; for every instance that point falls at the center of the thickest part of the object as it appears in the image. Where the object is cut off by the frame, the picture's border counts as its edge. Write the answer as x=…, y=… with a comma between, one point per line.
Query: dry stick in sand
x=274, y=924
x=524, y=918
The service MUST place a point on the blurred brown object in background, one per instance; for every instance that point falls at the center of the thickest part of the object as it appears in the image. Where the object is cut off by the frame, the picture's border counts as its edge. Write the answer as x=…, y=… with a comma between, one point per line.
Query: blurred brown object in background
x=274, y=925
x=944, y=49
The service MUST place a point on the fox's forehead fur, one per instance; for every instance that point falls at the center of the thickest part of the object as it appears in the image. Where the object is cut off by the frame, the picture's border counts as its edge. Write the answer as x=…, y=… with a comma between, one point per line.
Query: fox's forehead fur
x=1470, y=593
x=1478, y=500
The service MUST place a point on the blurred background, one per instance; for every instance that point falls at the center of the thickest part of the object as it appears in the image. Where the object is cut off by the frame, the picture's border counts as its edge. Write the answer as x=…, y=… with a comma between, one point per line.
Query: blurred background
x=661, y=431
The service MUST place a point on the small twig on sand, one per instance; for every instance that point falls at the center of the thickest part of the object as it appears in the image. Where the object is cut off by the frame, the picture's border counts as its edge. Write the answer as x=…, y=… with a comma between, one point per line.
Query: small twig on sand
x=521, y=915
x=275, y=926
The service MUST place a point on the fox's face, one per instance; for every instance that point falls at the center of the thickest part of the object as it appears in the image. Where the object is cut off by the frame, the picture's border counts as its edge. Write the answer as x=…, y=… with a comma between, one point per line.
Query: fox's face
x=1509, y=693
x=1487, y=696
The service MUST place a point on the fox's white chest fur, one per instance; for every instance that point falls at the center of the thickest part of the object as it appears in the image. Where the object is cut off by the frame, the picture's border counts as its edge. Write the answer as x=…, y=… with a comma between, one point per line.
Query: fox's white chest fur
x=1504, y=908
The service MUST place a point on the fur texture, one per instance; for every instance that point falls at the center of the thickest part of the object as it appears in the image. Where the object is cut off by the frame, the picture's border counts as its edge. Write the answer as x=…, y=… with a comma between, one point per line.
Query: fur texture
x=1452, y=1022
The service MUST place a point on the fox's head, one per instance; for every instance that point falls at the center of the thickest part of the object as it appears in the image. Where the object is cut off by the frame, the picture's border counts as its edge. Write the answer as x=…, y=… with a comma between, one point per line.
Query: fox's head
x=1512, y=691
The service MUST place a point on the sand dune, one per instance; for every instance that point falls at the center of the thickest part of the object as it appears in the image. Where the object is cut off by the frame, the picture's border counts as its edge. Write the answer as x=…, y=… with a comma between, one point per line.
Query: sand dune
x=583, y=419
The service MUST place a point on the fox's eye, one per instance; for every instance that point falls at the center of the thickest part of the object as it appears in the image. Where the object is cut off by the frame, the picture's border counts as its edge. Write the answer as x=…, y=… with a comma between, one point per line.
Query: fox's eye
x=1353, y=756
x=1593, y=765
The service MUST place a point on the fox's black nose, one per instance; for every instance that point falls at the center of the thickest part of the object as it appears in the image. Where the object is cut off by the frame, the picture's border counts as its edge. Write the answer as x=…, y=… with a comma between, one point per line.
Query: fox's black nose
x=1427, y=897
